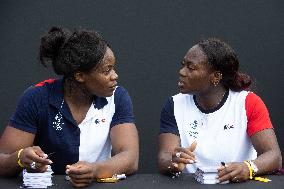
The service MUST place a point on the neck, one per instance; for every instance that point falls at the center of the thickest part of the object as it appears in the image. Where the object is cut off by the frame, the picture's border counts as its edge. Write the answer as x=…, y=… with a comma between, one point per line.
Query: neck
x=212, y=99
x=75, y=94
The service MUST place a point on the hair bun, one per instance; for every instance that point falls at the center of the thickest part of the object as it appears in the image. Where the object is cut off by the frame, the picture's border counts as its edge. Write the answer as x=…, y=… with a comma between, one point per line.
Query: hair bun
x=51, y=44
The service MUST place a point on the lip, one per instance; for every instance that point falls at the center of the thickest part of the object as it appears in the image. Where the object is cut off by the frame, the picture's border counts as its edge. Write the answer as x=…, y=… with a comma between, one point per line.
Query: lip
x=113, y=86
x=180, y=83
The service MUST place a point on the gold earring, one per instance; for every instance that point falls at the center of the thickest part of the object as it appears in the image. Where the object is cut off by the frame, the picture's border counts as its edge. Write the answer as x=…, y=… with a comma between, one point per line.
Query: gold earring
x=215, y=83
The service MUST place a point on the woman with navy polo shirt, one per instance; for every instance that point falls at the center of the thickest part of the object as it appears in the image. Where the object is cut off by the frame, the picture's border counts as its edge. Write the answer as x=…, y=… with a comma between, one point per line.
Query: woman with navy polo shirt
x=214, y=119
x=83, y=118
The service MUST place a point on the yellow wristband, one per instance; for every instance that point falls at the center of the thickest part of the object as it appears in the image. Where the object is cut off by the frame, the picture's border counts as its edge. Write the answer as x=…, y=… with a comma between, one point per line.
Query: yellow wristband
x=250, y=169
x=261, y=179
x=19, y=160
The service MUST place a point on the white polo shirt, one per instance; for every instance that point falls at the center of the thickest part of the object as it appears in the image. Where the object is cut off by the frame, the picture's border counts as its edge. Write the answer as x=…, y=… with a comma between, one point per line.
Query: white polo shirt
x=222, y=134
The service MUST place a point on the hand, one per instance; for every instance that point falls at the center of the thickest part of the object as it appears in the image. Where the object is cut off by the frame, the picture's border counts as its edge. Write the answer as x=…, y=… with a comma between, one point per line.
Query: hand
x=81, y=173
x=182, y=156
x=36, y=155
x=234, y=172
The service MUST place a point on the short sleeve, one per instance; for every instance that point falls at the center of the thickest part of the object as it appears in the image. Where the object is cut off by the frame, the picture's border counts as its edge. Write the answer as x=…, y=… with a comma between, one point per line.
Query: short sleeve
x=25, y=116
x=257, y=114
x=168, y=122
x=123, y=108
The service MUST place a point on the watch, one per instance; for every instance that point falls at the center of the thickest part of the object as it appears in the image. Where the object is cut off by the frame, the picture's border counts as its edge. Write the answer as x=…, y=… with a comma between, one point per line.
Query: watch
x=254, y=168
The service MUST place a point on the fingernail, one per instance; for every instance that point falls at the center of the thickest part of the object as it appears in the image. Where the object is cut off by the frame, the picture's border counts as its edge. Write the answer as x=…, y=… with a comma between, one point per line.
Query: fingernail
x=45, y=156
x=191, y=161
x=50, y=162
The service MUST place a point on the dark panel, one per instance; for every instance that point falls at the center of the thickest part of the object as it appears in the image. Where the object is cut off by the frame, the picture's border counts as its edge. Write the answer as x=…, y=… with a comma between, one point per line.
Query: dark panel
x=149, y=39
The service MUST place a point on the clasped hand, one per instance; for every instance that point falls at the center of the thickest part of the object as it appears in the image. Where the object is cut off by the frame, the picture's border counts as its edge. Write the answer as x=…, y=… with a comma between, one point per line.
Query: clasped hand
x=81, y=173
x=234, y=172
x=181, y=157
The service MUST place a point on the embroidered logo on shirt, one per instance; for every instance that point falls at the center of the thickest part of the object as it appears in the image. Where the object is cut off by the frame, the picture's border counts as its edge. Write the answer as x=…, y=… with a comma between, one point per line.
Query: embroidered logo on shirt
x=97, y=121
x=228, y=126
x=58, y=123
x=193, y=127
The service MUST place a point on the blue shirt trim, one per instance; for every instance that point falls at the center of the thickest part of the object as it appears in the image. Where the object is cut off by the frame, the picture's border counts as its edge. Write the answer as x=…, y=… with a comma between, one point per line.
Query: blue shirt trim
x=168, y=122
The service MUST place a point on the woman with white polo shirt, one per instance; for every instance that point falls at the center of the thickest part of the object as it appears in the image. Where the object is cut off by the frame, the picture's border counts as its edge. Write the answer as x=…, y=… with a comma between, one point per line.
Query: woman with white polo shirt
x=214, y=119
x=80, y=118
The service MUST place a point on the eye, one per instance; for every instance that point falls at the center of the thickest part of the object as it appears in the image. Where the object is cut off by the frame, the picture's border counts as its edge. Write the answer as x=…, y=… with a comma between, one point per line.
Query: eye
x=108, y=70
x=190, y=67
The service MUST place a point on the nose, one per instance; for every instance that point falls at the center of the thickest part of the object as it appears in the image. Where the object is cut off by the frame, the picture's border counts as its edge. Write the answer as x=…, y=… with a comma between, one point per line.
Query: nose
x=182, y=72
x=114, y=75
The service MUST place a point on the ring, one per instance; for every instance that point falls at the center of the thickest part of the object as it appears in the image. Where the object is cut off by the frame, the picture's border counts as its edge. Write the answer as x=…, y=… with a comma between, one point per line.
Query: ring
x=33, y=165
x=178, y=154
x=236, y=179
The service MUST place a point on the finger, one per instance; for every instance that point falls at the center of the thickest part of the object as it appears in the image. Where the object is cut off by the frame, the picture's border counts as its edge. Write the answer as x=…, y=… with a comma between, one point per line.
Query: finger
x=183, y=152
x=193, y=146
x=229, y=176
x=78, y=170
x=80, y=176
x=38, y=151
x=182, y=160
x=30, y=156
x=183, y=155
x=78, y=185
x=41, y=168
x=81, y=180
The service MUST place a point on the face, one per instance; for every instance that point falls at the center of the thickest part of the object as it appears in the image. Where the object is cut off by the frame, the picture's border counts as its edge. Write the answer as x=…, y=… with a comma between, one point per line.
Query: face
x=195, y=73
x=102, y=80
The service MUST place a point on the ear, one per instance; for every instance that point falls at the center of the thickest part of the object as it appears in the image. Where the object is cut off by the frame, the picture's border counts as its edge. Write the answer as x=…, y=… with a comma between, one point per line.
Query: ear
x=216, y=77
x=79, y=76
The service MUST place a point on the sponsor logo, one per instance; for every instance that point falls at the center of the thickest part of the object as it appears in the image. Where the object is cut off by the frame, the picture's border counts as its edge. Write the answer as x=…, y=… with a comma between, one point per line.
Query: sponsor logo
x=228, y=126
x=98, y=121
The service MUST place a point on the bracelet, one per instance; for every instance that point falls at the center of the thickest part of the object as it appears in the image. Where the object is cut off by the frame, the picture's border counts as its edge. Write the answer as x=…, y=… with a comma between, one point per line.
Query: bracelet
x=250, y=169
x=172, y=173
x=251, y=175
x=19, y=160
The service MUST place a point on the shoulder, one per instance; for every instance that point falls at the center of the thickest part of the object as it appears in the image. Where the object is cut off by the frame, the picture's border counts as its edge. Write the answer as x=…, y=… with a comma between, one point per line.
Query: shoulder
x=121, y=96
x=120, y=91
x=37, y=91
x=257, y=114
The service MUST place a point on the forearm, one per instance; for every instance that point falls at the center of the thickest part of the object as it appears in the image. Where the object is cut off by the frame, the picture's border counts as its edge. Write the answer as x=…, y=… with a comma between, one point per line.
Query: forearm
x=268, y=161
x=124, y=162
x=8, y=164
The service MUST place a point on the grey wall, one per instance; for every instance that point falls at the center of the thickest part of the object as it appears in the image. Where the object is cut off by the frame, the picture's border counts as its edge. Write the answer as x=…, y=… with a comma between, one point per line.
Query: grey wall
x=149, y=39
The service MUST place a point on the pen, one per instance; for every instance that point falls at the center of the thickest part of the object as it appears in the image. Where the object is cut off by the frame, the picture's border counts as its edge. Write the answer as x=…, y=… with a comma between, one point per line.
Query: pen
x=223, y=164
x=50, y=154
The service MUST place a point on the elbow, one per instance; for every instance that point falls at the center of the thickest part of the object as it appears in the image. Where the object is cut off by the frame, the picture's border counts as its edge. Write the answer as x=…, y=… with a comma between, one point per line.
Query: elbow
x=162, y=162
x=279, y=160
x=132, y=165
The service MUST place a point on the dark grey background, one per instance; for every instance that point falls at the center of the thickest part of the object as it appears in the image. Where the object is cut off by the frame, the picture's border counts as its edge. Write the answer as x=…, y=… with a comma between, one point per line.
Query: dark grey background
x=149, y=38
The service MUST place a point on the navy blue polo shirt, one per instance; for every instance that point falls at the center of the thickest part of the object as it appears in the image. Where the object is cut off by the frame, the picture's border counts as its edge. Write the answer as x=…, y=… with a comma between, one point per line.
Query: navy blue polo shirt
x=42, y=111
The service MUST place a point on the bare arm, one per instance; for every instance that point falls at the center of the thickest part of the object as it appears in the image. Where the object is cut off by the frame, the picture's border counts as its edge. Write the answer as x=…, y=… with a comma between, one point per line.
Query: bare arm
x=11, y=141
x=169, y=146
x=124, y=140
x=268, y=152
x=166, y=146
x=269, y=158
x=125, y=146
